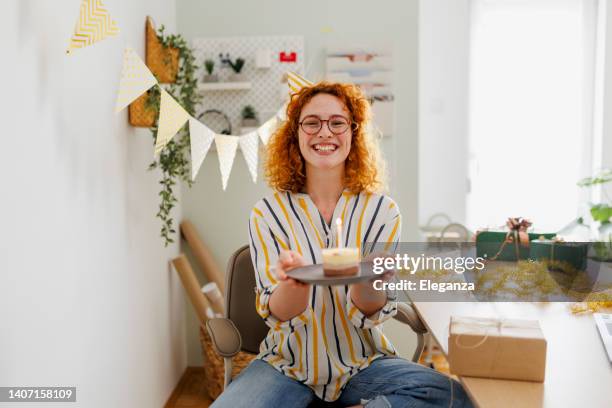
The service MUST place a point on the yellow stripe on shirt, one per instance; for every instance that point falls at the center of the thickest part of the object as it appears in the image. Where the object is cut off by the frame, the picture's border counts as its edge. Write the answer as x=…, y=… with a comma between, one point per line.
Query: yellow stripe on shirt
x=284, y=209
x=304, y=207
x=323, y=331
x=347, y=332
x=358, y=235
x=315, y=349
x=390, y=239
x=298, y=339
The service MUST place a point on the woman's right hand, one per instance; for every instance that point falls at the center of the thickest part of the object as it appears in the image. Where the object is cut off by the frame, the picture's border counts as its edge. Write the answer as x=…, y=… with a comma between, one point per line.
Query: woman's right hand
x=291, y=297
x=288, y=260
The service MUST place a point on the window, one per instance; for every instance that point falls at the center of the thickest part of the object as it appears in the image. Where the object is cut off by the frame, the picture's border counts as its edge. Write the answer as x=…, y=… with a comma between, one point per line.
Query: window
x=532, y=82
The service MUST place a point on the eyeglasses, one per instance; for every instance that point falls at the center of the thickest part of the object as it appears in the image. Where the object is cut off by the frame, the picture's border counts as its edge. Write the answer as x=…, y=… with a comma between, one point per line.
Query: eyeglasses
x=336, y=124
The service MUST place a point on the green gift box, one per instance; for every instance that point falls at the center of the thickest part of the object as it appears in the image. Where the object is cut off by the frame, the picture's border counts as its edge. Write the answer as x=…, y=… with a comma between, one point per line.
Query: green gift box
x=493, y=244
x=560, y=254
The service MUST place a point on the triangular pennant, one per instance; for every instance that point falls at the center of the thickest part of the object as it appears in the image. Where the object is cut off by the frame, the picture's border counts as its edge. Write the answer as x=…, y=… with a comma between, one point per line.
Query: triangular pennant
x=281, y=114
x=226, y=149
x=266, y=130
x=172, y=117
x=249, y=146
x=136, y=79
x=94, y=25
x=296, y=82
x=201, y=138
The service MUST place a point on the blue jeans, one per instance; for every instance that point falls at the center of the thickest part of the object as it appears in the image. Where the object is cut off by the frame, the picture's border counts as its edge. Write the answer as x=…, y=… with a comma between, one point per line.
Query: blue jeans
x=388, y=382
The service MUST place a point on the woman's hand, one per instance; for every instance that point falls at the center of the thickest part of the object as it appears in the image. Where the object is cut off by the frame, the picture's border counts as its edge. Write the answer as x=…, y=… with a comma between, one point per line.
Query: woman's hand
x=288, y=260
x=367, y=299
x=291, y=297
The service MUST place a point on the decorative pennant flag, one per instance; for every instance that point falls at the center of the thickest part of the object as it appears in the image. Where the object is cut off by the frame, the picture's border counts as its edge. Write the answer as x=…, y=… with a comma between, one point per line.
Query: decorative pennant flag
x=296, y=82
x=172, y=117
x=249, y=146
x=136, y=79
x=226, y=149
x=201, y=138
x=282, y=113
x=266, y=130
x=94, y=25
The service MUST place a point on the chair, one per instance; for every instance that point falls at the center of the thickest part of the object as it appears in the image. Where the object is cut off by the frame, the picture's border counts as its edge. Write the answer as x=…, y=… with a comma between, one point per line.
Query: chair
x=242, y=329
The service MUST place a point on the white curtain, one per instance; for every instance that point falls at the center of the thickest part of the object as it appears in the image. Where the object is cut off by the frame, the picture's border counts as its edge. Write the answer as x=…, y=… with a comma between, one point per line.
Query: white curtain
x=531, y=108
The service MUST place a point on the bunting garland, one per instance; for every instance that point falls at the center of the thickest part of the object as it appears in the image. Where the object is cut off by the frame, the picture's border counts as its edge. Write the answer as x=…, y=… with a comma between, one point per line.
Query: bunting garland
x=266, y=130
x=226, y=149
x=172, y=117
x=136, y=79
x=201, y=137
x=249, y=146
x=94, y=24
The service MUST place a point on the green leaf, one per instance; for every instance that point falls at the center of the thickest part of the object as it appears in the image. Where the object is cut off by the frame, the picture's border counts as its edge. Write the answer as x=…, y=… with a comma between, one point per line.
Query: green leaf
x=602, y=213
x=603, y=177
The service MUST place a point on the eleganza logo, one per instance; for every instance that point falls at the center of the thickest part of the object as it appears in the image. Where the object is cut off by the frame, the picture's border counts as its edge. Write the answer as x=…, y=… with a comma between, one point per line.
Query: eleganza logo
x=460, y=272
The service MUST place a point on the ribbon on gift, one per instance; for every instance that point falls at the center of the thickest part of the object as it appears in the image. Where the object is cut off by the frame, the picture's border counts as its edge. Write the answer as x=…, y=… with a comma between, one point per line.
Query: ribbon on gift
x=517, y=234
x=555, y=241
x=488, y=323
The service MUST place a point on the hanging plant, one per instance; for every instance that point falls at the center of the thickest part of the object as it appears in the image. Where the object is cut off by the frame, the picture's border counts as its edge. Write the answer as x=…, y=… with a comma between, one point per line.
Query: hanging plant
x=174, y=159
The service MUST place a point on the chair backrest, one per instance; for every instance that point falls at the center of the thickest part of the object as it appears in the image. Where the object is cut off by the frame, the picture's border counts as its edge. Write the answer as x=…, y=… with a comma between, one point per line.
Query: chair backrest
x=240, y=300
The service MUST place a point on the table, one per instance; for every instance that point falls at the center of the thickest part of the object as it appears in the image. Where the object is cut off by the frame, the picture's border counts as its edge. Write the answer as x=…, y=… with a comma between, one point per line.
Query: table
x=578, y=372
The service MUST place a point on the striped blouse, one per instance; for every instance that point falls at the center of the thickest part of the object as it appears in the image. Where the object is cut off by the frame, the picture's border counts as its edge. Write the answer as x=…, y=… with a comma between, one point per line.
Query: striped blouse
x=331, y=340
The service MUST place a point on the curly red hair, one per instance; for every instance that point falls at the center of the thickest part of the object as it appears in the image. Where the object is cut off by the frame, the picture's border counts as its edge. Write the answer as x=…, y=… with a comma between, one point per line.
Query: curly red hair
x=364, y=167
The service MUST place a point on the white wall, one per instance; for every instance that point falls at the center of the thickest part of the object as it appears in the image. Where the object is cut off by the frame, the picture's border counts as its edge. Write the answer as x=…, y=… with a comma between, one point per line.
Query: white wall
x=221, y=217
x=86, y=295
x=443, y=108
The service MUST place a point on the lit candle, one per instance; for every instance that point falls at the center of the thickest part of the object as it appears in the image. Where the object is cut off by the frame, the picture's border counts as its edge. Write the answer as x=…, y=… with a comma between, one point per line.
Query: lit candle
x=339, y=232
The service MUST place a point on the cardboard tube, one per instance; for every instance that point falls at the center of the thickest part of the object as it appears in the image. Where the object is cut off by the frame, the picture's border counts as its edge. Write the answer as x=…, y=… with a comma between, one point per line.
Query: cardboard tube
x=202, y=255
x=192, y=287
x=214, y=297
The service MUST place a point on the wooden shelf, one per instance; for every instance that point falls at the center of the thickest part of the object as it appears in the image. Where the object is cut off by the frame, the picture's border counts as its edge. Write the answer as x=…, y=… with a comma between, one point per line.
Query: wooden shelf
x=224, y=86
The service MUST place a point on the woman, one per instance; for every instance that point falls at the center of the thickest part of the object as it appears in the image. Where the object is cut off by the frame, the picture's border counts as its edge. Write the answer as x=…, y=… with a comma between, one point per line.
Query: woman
x=326, y=343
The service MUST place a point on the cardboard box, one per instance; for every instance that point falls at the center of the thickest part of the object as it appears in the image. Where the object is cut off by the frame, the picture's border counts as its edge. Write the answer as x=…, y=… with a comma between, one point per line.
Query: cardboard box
x=509, y=349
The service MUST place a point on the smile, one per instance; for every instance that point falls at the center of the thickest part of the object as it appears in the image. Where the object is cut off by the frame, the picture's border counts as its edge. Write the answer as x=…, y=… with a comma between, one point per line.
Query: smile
x=324, y=147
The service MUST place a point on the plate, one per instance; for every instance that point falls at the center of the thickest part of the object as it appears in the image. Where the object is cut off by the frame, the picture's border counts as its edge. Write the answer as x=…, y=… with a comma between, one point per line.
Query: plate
x=313, y=274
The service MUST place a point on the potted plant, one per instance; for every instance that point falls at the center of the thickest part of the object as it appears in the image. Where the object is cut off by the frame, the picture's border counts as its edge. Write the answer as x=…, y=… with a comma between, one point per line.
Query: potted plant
x=209, y=65
x=249, y=117
x=236, y=66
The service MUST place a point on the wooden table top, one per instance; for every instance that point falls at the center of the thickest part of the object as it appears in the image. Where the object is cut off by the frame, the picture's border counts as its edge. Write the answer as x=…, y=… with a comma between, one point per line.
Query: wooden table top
x=578, y=372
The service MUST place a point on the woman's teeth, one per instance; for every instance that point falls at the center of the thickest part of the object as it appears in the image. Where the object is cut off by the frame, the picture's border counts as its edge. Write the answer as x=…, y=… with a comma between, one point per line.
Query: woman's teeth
x=325, y=148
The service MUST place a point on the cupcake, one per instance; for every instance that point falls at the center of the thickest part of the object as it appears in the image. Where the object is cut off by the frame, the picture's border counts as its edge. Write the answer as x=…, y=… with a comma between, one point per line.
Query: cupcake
x=340, y=261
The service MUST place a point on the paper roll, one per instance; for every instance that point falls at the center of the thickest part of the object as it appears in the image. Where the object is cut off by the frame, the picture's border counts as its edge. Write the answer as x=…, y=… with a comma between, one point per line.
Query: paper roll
x=214, y=297
x=202, y=255
x=192, y=287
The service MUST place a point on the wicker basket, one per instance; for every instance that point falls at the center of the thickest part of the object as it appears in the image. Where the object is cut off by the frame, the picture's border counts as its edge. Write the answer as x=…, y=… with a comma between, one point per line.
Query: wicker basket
x=213, y=365
x=139, y=114
x=162, y=61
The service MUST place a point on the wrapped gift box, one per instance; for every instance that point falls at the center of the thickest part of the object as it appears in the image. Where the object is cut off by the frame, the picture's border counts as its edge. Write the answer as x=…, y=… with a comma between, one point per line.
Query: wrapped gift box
x=497, y=348
x=573, y=254
x=489, y=243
